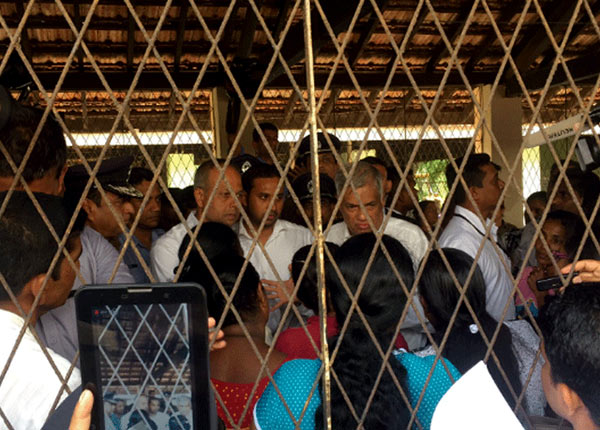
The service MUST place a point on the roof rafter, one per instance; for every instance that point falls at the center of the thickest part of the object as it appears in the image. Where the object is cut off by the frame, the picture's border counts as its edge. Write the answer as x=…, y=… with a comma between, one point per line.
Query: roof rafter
x=183, y=10
x=452, y=33
x=366, y=34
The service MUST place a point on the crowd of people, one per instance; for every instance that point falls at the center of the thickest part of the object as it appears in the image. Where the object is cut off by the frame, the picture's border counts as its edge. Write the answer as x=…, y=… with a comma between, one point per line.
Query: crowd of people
x=413, y=301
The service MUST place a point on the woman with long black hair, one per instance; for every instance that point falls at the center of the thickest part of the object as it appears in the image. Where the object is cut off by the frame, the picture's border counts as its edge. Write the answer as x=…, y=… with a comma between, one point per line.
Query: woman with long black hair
x=515, y=346
x=357, y=362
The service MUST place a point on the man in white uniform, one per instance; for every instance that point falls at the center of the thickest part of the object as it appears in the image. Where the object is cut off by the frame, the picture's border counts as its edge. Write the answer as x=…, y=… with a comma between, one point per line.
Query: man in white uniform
x=279, y=239
x=369, y=191
x=31, y=385
x=466, y=230
x=58, y=328
x=223, y=208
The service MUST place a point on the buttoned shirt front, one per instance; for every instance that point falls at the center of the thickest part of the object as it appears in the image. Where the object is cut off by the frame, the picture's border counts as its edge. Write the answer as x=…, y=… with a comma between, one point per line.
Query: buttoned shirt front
x=465, y=232
x=30, y=385
x=408, y=234
x=58, y=327
x=165, y=251
x=131, y=260
x=415, y=242
x=281, y=246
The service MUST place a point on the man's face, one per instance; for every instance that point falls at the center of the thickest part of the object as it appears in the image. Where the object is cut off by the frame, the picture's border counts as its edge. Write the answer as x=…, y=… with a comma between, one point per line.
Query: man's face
x=537, y=208
x=223, y=207
x=153, y=406
x=550, y=388
x=151, y=215
x=354, y=217
x=488, y=194
x=405, y=201
x=58, y=290
x=387, y=184
x=273, y=142
x=120, y=407
x=563, y=199
x=263, y=191
x=185, y=407
x=102, y=219
x=326, y=210
x=327, y=164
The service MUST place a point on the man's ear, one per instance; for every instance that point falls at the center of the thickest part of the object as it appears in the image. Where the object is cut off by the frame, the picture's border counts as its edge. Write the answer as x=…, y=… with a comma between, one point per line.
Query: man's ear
x=476, y=193
x=89, y=207
x=61, y=181
x=34, y=287
x=573, y=404
x=199, y=197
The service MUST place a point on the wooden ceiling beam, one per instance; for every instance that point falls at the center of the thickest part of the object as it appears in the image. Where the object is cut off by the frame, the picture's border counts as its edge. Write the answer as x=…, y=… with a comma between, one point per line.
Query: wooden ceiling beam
x=418, y=24
x=515, y=7
x=582, y=22
x=365, y=35
x=535, y=42
x=452, y=33
x=248, y=31
x=78, y=24
x=25, y=42
x=156, y=81
x=584, y=68
x=130, y=40
x=183, y=11
x=282, y=17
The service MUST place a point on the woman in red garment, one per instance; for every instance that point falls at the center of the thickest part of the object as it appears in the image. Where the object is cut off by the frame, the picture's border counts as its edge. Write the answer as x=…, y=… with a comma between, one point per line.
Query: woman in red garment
x=236, y=368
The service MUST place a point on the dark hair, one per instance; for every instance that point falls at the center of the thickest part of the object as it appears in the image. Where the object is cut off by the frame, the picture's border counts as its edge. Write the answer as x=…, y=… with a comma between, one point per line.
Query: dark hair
x=464, y=348
x=375, y=161
x=394, y=177
x=259, y=171
x=227, y=267
x=574, y=229
x=307, y=292
x=424, y=204
x=49, y=152
x=472, y=174
x=137, y=175
x=586, y=184
x=26, y=245
x=214, y=238
x=570, y=325
x=538, y=196
x=264, y=126
x=382, y=301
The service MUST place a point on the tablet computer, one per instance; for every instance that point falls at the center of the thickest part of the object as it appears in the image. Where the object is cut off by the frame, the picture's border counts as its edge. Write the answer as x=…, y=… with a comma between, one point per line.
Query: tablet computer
x=144, y=352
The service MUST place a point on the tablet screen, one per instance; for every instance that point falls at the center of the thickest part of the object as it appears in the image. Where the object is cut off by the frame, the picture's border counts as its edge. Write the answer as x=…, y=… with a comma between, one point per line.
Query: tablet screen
x=143, y=360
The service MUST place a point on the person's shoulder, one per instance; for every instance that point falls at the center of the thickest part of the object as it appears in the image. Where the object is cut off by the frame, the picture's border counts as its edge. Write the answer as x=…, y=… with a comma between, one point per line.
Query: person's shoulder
x=291, y=227
x=172, y=236
x=400, y=225
x=422, y=364
x=337, y=232
x=300, y=367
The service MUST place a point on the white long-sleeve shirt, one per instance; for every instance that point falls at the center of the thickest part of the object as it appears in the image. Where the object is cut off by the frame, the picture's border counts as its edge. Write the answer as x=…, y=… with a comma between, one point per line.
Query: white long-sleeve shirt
x=466, y=234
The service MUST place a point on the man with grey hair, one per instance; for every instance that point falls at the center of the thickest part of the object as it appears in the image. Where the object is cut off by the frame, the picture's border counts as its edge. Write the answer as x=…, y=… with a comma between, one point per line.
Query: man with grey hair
x=368, y=183
x=369, y=190
x=223, y=208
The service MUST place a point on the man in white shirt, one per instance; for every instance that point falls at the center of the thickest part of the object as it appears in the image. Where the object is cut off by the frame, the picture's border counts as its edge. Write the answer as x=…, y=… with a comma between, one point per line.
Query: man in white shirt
x=280, y=239
x=369, y=191
x=223, y=208
x=466, y=230
x=31, y=386
x=58, y=328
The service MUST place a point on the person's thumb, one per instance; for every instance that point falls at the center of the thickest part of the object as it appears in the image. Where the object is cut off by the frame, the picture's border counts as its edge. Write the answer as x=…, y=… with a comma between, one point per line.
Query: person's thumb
x=82, y=414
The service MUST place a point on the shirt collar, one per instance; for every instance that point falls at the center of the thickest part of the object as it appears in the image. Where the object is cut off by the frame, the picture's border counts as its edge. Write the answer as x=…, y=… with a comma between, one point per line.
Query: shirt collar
x=242, y=231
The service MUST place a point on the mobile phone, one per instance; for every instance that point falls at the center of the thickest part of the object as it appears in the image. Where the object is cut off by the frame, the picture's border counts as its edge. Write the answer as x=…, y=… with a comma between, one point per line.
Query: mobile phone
x=552, y=282
x=144, y=350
